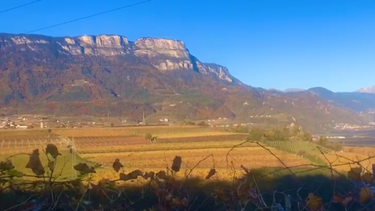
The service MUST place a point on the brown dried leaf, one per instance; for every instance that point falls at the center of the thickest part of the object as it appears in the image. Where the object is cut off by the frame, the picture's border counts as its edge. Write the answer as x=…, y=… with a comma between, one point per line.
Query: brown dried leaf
x=180, y=203
x=103, y=183
x=367, y=178
x=132, y=175
x=52, y=150
x=314, y=202
x=343, y=200
x=365, y=194
x=6, y=165
x=357, y=170
x=353, y=174
x=117, y=165
x=150, y=175
x=176, y=165
x=84, y=168
x=161, y=175
x=211, y=173
x=35, y=164
x=136, y=173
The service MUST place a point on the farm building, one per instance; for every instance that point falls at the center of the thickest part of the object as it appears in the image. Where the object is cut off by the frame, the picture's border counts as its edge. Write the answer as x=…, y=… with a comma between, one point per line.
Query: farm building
x=21, y=127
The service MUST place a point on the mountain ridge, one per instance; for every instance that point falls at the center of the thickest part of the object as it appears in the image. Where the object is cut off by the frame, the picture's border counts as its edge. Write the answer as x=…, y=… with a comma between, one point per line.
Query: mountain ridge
x=370, y=89
x=160, y=77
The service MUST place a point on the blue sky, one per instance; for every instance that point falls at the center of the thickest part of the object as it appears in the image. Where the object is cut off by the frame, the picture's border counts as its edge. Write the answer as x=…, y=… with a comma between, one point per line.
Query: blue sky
x=264, y=43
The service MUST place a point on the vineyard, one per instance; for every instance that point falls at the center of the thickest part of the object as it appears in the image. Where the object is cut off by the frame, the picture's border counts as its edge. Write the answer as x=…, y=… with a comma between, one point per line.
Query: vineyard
x=115, y=167
x=306, y=149
x=160, y=131
x=23, y=144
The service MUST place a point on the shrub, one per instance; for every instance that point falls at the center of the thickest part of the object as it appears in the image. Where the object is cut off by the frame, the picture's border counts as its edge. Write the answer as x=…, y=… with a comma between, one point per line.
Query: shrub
x=148, y=136
x=276, y=134
x=202, y=123
x=323, y=141
x=241, y=129
x=188, y=123
x=256, y=134
x=302, y=153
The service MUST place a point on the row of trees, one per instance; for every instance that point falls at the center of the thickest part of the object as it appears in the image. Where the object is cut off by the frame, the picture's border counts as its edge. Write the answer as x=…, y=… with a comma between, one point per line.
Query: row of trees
x=289, y=133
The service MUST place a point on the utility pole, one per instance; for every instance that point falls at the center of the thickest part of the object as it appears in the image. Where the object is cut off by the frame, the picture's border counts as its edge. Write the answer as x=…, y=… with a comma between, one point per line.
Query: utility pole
x=73, y=154
x=144, y=120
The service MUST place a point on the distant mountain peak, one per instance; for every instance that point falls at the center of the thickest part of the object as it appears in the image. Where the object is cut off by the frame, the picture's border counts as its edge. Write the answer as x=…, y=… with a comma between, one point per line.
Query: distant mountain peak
x=164, y=54
x=156, y=77
x=370, y=89
x=294, y=90
x=320, y=89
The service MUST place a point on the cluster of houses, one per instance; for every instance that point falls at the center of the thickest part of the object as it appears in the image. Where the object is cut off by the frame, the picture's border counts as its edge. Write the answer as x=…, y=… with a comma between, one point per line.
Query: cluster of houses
x=353, y=126
x=19, y=123
x=261, y=116
x=164, y=120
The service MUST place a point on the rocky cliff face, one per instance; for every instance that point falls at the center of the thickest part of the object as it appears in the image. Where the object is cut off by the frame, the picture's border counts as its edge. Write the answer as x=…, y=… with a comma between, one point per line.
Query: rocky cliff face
x=93, y=75
x=163, y=54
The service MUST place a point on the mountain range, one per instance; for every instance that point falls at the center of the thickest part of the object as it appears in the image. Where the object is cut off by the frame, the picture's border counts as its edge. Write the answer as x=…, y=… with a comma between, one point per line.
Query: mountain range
x=108, y=74
x=370, y=89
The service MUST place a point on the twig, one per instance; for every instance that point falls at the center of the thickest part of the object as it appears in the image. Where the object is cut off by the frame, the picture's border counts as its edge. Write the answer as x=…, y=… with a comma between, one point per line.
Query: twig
x=231, y=149
x=279, y=160
x=80, y=200
x=20, y=204
x=196, y=165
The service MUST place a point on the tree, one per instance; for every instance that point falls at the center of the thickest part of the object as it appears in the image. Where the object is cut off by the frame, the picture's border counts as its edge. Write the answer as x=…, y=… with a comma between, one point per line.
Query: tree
x=188, y=123
x=295, y=130
x=276, y=134
x=256, y=134
x=323, y=141
x=202, y=123
x=336, y=146
x=306, y=136
x=148, y=136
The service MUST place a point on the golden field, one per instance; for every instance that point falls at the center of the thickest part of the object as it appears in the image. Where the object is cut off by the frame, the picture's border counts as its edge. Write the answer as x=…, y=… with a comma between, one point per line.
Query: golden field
x=201, y=148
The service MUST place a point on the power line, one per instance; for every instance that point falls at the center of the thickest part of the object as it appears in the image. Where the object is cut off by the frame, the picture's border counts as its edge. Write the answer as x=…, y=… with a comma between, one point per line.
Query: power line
x=89, y=16
x=19, y=6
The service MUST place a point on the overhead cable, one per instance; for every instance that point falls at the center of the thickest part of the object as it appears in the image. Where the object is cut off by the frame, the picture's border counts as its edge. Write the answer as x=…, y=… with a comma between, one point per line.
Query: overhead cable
x=19, y=6
x=89, y=16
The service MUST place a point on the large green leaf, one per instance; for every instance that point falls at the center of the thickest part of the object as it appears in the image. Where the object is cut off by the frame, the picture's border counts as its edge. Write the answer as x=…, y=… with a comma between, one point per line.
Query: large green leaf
x=15, y=173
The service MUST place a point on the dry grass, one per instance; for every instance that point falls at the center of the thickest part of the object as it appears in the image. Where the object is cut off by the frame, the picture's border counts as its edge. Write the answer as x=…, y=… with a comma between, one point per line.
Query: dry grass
x=160, y=131
x=104, y=145
x=367, y=151
x=250, y=155
x=141, y=148
x=341, y=160
x=15, y=133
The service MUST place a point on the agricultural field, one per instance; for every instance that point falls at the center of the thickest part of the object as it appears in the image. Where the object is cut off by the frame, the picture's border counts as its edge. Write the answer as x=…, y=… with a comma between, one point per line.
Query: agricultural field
x=306, y=149
x=365, y=156
x=138, y=143
x=160, y=131
x=201, y=149
x=13, y=143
